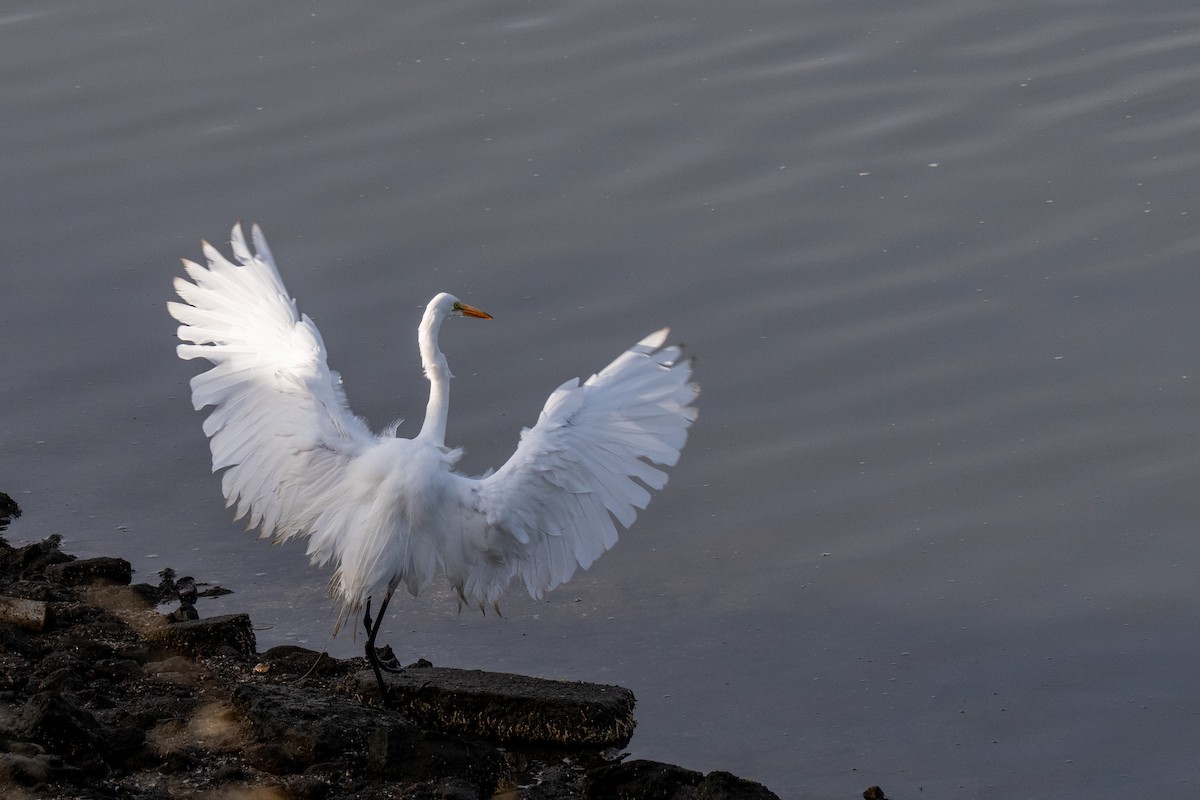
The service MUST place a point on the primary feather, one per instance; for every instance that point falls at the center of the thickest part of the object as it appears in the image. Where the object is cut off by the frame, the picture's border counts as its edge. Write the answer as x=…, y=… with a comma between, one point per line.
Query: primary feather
x=389, y=511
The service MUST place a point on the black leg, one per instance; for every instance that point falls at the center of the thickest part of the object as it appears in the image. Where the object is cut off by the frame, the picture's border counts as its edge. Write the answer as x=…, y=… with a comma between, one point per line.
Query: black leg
x=372, y=633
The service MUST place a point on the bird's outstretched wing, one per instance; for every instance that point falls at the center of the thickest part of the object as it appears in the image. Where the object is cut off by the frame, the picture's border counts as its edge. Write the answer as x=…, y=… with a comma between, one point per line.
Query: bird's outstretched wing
x=280, y=424
x=589, y=460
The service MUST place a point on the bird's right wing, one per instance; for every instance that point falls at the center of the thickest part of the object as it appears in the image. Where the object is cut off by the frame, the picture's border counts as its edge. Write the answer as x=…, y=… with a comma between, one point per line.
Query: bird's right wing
x=280, y=424
x=589, y=459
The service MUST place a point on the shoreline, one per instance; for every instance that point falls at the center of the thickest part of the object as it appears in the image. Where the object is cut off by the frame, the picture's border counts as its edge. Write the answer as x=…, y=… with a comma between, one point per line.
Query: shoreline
x=101, y=695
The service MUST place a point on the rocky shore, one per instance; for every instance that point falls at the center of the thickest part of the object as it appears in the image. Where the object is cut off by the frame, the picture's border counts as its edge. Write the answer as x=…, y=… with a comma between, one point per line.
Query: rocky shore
x=104, y=696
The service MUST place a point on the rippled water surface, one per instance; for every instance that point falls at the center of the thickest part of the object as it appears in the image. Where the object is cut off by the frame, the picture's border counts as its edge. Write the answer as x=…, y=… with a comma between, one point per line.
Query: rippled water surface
x=936, y=527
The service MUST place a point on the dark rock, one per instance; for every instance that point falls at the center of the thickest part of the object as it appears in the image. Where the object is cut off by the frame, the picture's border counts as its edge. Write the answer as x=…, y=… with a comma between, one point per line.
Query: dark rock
x=301, y=729
x=14, y=675
x=427, y=757
x=90, y=570
x=228, y=772
x=725, y=786
x=29, y=771
x=564, y=780
x=230, y=634
x=185, y=590
x=118, y=669
x=507, y=708
x=303, y=787
x=186, y=587
x=32, y=559
x=653, y=780
x=311, y=727
x=641, y=780
x=874, y=793
x=273, y=758
x=300, y=662
x=40, y=589
x=9, y=510
x=125, y=742
x=63, y=728
x=16, y=642
x=184, y=613
x=181, y=761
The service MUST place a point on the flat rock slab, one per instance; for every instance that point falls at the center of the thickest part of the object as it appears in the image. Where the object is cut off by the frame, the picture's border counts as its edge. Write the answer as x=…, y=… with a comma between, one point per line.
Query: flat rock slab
x=506, y=708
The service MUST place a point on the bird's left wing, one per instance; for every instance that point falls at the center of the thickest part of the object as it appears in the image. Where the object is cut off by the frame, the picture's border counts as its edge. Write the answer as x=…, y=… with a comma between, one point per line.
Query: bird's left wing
x=280, y=424
x=590, y=459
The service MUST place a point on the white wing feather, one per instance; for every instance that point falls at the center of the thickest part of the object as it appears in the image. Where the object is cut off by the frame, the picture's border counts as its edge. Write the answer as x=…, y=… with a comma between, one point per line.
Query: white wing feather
x=280, y=424
x=387, y=510
x=551, y=507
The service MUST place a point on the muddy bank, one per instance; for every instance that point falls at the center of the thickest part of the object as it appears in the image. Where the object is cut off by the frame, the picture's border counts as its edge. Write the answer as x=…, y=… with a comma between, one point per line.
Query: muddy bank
x=101, y=695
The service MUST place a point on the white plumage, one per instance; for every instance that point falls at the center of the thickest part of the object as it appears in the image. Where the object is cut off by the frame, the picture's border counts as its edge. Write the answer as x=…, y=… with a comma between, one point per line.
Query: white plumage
x=387, y=511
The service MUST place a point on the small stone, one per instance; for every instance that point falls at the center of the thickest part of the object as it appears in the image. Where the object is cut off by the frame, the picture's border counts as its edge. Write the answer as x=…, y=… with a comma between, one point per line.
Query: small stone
x=184, y=613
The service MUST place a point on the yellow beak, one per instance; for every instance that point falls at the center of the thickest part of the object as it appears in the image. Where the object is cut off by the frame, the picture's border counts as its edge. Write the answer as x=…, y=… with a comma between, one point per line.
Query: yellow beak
x=472, y=311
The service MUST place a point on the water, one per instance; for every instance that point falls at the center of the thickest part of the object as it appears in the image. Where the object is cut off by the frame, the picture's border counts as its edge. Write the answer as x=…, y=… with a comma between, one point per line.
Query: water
x=935, y=527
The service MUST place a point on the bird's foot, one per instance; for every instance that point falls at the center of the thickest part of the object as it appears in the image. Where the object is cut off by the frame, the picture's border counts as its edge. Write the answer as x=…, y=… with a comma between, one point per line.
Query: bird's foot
x=387, y=659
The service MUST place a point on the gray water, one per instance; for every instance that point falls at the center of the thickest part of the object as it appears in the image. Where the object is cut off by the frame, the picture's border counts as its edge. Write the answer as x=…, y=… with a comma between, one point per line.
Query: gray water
x=935, y=528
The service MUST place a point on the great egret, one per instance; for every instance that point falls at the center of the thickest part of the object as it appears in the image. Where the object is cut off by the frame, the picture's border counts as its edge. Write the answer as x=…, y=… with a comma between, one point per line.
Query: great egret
x=389, y=511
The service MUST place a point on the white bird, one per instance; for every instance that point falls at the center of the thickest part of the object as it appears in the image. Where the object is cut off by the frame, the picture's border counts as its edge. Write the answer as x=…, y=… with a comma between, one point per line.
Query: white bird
x=388, y=511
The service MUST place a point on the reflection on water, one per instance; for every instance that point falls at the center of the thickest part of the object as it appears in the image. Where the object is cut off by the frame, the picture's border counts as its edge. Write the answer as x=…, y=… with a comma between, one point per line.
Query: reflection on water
x=933, y=529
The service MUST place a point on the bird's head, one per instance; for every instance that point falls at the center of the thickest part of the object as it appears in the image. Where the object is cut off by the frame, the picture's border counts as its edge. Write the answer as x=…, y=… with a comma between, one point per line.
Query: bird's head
x=447, y=305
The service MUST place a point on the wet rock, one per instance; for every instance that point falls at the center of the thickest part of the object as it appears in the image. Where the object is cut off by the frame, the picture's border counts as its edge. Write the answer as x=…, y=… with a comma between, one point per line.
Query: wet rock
x=9, y=510
x=32, y=559
x=634, y=780
x=230, y=634
x=90, y=570
x=186, y=590
x=184, y=613
x=642, y=780
x=726, y=786
x=507, y=708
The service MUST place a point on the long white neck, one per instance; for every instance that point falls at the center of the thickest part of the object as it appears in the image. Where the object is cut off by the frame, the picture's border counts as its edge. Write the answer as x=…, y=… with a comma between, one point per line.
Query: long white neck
x=438, y=373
